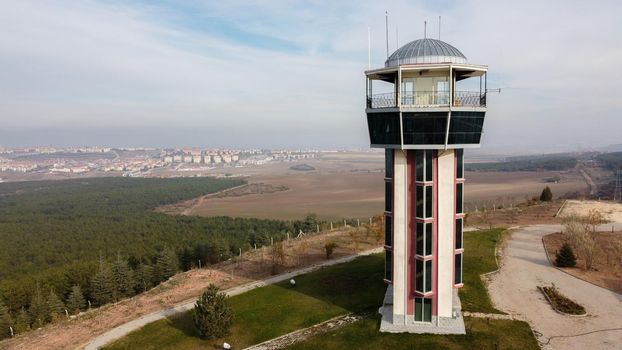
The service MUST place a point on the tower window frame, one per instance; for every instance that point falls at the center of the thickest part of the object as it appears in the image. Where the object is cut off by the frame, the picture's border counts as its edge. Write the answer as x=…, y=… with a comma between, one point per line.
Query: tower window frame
x=424, y=238
x=423, y=276
x=424, y=201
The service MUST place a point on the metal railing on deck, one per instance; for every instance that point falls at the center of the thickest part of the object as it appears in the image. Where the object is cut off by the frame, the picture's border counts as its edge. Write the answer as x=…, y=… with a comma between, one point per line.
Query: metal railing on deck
x=428, y=99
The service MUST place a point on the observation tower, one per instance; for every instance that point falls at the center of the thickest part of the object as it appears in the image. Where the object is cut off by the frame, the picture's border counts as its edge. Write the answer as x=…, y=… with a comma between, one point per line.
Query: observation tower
x=424, y=107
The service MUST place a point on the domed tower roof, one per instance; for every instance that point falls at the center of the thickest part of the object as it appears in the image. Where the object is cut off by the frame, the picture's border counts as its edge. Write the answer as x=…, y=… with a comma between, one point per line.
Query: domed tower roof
x=425, y=51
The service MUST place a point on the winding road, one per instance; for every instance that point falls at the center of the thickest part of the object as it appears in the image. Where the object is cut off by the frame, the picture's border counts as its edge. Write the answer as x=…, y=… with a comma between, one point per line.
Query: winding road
x=513, y=290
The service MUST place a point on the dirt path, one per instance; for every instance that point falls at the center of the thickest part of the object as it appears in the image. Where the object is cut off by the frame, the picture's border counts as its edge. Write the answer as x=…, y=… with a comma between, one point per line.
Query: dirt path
x=253, y=266
x=124, y=329
x=513, y=290
x=588, y=179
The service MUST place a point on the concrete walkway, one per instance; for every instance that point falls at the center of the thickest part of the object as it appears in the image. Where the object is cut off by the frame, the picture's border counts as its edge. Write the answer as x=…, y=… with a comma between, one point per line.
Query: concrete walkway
x=513, y=290
x=122, y=330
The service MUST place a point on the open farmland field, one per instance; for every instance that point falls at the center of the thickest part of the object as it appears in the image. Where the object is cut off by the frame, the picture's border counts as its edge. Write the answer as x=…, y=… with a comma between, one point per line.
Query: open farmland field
x=347, y=185
x=331, y=196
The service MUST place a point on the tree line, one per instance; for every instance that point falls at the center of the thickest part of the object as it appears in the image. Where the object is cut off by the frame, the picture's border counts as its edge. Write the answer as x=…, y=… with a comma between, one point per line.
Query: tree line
x=101, y=239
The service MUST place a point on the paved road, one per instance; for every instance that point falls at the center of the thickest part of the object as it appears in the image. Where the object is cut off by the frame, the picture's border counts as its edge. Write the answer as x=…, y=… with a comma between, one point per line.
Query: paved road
x=124, y=329
x=513, y=290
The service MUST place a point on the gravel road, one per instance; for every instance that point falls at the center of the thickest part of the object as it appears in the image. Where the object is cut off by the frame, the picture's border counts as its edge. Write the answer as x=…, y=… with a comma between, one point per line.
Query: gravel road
x=513, y=290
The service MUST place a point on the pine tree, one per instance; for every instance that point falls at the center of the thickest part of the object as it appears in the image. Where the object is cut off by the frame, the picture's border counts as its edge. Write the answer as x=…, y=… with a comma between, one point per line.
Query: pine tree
x=546, y=195
x=565, y=257
x=185, y=259
x=38, y=310
x=123, y=278
x=22, y=322
x=6, y=321
x=76, y=302
x=55, y=306
x=212, y=316
x=144, y=277
x=166, y=265
x=102, y=285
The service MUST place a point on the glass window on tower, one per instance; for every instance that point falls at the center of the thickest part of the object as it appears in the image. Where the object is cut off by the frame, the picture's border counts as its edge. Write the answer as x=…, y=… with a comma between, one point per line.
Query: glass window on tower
x=428, y=201
x=423, y=310
x=419, y=287
x=459, y=198
x=428, y=238
x=428, y=276
x=460, y=163
x=428, y=165
x=420, y=239
x=419, y=160
x=388, y=196
x=388, y=233
x=458, y=268
x=459, y=233
x=419, y=202
x=388, y=163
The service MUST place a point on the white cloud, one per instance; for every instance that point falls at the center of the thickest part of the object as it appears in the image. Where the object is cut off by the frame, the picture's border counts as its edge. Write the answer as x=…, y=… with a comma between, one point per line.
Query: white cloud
x=91, y=65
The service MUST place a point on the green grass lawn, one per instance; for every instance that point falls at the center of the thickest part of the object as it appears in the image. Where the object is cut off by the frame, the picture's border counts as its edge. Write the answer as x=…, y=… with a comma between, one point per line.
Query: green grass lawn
x=481, y=334
x=357, y=286
x=274, y=310
x=479, y=258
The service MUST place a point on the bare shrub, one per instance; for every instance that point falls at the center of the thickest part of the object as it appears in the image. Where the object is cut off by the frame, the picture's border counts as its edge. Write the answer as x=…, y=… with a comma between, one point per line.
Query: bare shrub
x=578, y=235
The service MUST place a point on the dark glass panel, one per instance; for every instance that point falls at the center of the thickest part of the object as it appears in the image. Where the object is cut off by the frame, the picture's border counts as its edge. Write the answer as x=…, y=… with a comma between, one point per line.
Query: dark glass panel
x=428, y=276
x=458, y=268
x=384, y=128
x=459, y=163
x=428, y=238
x=428, y=201
x=419, y=309
x=420, y=235
x=465, y=127
x=427, y=310
x=388, y=163
x=388, y=196
x=419, y=165
x=419, y=276
x=388, y=234
x=458, y=233
x=424, y=128
x=428, y=165
x=459, y=197
x=419, y=201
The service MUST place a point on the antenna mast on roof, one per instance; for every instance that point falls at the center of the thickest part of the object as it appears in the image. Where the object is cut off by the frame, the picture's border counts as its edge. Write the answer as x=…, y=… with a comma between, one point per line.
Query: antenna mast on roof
x=386, y=23
x=425, y=29
x=439, y=27
x=397, y=38
x=368, y=47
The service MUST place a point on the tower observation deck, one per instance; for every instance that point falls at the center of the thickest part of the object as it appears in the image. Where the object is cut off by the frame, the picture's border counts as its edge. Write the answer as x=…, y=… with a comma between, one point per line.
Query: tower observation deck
x=424, y=107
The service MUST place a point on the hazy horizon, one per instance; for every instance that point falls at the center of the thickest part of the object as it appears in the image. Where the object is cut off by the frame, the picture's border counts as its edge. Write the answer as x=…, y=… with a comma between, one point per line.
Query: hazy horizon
x=288, y=75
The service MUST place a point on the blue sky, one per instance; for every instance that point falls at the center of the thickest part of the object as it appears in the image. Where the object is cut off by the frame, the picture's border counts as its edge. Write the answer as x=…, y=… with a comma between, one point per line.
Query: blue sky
x=290, y=73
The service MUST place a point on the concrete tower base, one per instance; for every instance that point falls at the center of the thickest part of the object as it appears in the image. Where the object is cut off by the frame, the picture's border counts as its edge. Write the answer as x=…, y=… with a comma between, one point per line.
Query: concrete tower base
x=440, y=325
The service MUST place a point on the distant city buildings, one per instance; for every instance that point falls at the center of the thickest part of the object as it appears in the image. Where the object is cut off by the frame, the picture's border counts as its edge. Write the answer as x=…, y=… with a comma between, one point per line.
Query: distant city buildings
x=137, y=161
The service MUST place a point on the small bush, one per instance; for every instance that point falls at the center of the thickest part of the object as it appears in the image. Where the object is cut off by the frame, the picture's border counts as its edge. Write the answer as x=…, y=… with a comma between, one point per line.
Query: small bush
x=212, y=315
x=547, y=194
x=565, y=257
x=329, y=248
